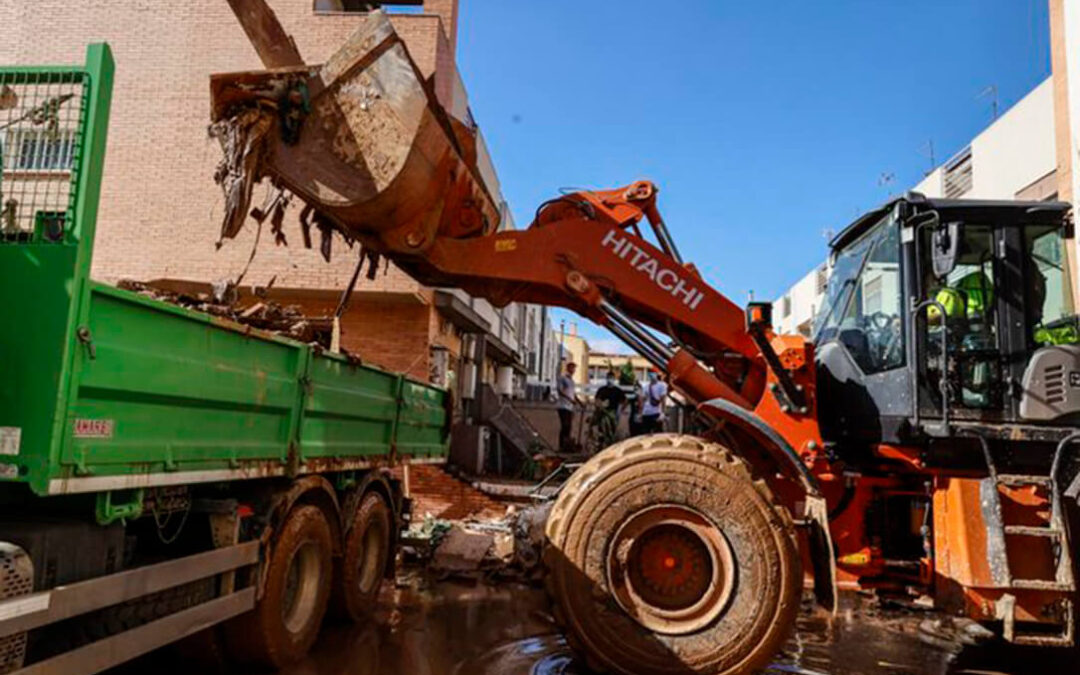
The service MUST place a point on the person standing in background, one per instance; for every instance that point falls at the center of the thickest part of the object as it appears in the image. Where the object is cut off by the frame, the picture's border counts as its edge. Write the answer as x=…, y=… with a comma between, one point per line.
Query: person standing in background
x=652, y=407
x=566, y=391
x=610, y=400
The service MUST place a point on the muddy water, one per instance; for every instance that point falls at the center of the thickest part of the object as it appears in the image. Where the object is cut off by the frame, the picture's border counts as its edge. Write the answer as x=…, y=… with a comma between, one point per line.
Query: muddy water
x=450, y=628
x=457, y=629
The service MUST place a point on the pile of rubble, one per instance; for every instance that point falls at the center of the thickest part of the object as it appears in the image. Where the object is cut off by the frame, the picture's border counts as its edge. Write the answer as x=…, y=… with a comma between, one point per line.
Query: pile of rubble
x=503, y=548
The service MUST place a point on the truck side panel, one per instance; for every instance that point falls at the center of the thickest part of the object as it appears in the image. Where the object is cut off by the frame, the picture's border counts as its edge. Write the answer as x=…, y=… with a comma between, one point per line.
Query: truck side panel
x=164, y=390
x=350, y=411
x=165, y=395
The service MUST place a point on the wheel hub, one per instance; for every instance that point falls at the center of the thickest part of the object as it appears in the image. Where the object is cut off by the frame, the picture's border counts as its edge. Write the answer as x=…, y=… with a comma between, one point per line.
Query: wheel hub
x=302, y=582
x=671, y=569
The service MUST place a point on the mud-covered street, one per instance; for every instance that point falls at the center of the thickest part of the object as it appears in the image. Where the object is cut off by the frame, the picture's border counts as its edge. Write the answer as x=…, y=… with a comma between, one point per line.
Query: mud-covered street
x=456, y=628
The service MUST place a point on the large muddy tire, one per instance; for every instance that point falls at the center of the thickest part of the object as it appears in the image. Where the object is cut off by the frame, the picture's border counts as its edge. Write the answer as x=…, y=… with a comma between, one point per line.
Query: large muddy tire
x=359, y=572
x=665, y=556
x=287, y=618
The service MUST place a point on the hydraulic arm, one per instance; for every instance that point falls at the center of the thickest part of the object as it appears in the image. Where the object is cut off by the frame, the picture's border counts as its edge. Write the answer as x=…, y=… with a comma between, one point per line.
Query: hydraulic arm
x=364, y=142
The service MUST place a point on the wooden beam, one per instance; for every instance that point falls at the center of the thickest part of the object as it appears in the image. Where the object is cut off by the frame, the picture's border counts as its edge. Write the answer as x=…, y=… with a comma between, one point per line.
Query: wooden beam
x=275, y=47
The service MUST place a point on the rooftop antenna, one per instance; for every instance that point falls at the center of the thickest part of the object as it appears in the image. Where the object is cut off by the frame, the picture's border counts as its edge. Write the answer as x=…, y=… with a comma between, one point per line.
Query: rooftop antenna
x=886, y=179
x=927, y=150
x=992, y=92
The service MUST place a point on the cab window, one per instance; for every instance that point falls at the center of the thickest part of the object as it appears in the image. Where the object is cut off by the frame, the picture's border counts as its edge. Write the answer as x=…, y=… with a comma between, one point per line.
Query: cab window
x=1051, y=316
x=865, y=306
x=962, y=330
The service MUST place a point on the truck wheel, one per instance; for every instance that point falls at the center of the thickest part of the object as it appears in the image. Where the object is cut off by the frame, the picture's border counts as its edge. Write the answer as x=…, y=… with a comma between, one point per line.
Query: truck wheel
x=665, y=556
x=358, y=573
x=286, y=620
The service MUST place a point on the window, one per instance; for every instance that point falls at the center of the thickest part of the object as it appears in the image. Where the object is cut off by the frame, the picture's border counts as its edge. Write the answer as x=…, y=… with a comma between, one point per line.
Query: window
x=864, y=306
x=401, y=6
x=821, y=280
x=39, y=150
x=968, y=298
x=804, y=329
x=785, y=306
x=872, y=295
x=1051, y=315
x=958, y=175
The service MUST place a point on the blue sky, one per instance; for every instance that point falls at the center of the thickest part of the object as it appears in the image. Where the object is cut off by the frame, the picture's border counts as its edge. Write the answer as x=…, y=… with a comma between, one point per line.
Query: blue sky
x=764, y=123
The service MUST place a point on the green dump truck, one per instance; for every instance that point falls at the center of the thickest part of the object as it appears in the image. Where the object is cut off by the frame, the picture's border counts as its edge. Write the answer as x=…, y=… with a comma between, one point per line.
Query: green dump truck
x=167, y=474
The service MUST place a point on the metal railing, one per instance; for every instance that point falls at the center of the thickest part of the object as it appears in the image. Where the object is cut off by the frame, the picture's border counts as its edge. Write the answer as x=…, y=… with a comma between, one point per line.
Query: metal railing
x=42, y=133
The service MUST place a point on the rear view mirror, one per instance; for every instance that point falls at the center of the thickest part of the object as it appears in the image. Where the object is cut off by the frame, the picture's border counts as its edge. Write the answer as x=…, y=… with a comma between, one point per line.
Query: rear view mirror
x=945, y=248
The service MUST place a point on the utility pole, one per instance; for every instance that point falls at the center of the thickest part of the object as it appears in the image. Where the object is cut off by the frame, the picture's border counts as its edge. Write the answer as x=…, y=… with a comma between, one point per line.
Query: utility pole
x=562, y=342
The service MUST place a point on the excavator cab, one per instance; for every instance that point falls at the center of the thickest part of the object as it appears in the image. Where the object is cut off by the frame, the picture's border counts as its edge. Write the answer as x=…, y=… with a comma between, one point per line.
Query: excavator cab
x=943, y=312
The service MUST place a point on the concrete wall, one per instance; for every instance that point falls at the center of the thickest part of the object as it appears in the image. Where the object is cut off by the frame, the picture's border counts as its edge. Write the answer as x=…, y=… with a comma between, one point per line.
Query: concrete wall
x=1013, y=153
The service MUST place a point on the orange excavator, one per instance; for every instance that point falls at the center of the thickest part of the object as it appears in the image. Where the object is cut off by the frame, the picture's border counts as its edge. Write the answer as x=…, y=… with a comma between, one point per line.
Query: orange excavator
x=919, y=445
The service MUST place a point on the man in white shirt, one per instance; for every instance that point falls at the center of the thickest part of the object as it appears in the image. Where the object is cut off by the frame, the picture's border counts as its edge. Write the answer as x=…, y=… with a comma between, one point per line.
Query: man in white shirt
x=652, y=406
x=566, y=391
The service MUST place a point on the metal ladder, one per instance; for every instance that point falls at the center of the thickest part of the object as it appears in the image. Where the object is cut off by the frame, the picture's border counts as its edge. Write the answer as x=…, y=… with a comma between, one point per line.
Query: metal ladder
x=1056, y=531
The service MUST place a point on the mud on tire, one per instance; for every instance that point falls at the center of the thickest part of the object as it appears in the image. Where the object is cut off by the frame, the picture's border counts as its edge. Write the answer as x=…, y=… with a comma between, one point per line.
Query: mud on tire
x=287, y=618
x=665, y=556
x=358, y=573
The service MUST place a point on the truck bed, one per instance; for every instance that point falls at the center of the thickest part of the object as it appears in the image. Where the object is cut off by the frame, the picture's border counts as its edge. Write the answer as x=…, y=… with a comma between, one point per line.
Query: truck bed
x=164, y=395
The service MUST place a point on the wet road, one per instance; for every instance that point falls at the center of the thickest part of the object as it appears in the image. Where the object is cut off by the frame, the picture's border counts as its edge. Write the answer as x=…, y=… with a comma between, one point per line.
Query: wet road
x=459, y=629
x=451, y=628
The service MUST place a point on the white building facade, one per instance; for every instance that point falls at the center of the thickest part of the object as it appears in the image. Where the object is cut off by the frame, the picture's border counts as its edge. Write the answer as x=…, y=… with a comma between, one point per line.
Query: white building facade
x=794, y=311
x=1016, y=157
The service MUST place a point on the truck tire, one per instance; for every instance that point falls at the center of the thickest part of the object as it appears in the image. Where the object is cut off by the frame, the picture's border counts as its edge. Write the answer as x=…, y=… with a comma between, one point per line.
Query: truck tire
x=287, y=618
x=359, y=572
x=665, y=555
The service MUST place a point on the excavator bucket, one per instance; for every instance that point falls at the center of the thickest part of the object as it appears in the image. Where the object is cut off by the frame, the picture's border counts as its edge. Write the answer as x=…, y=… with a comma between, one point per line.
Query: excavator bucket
x=361, y=139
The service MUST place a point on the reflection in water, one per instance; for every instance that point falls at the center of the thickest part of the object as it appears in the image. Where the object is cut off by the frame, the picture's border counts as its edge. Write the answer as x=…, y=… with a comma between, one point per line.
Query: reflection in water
x=542, y=655
x=461, y=629
x=455, y=629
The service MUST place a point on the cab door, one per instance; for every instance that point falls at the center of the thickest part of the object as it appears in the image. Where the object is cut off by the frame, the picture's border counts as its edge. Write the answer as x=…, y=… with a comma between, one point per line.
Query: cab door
x=864, y=388
x=958, y=327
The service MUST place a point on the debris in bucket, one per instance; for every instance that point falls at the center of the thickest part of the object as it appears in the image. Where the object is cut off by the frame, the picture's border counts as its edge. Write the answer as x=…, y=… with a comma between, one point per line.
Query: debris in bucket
x=242, y=139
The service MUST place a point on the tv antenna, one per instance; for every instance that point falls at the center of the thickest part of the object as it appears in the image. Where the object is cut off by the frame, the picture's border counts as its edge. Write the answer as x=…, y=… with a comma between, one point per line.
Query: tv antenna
x=886, y=180
x=992, y=92
x=927, y=150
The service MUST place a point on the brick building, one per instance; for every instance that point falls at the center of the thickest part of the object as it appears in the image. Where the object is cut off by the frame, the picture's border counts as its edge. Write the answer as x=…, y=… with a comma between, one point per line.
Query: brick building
x=160, y=209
